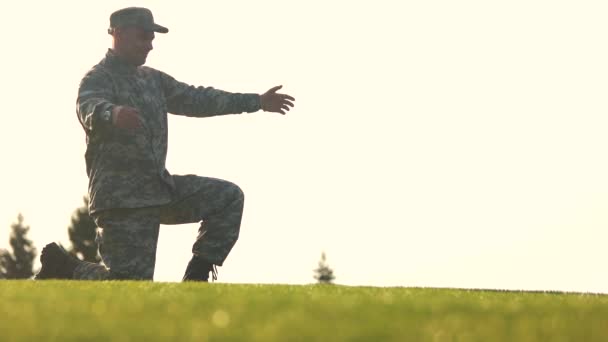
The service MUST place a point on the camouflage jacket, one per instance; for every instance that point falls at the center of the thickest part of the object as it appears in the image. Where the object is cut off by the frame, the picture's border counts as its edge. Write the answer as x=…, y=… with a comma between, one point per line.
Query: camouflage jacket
x=126, y=168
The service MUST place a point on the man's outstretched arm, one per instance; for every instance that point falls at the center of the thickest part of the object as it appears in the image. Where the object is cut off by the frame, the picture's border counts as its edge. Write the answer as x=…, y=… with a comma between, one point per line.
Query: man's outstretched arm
x=271, y=101
x=184, y=99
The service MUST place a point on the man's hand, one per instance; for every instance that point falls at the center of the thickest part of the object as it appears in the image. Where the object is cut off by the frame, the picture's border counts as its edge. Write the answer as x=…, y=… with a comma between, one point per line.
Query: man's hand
x=271, y=101
x=126, y=117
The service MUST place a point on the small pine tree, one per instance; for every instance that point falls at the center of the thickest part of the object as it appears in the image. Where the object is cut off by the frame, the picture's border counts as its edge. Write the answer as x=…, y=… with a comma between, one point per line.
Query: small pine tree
x=19, y=264
x=82, y=231
x=6, y=264
x=324, y=274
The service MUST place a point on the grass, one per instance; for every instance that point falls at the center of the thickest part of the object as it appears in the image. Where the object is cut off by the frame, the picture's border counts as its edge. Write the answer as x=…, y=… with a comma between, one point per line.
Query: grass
x=145, y=311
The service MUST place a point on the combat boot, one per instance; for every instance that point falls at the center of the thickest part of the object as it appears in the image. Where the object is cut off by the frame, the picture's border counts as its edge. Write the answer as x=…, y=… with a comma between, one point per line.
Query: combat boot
x=56, y=263
x=198, y=270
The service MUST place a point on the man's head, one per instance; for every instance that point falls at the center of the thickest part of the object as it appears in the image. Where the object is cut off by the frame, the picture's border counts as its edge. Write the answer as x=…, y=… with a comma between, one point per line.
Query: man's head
x=133, y=30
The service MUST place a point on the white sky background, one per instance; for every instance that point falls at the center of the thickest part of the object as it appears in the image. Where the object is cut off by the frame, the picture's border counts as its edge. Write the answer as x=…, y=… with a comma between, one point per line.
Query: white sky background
x=433, y=143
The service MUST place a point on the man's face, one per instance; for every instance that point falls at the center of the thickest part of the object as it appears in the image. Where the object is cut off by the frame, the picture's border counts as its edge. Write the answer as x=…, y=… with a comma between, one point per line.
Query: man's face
x=134, y=44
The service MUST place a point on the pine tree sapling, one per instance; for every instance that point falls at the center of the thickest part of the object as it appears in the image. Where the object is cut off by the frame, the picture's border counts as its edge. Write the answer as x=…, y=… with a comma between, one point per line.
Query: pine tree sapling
x=19, y=264
x=82, y=231
x=7, y=264
x=324, y=274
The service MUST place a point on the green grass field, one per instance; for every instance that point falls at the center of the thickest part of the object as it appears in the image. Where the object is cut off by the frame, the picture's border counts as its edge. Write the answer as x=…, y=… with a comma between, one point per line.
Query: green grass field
x=145, y=311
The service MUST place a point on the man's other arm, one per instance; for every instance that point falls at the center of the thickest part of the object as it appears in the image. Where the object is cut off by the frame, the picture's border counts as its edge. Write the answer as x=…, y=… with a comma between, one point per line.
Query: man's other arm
x=94, y=99
x=96, y=111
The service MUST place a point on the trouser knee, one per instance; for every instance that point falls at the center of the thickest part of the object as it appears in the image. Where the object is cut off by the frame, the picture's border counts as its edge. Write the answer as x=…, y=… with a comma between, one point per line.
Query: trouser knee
x=236, y=192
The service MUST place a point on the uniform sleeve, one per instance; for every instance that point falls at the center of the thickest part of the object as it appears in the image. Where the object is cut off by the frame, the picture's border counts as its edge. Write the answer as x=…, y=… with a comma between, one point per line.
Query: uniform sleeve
x=184, y=99
x=94, y=98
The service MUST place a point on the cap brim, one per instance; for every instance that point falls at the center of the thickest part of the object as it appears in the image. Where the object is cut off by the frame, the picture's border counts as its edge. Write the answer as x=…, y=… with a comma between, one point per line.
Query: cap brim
x=157, y=28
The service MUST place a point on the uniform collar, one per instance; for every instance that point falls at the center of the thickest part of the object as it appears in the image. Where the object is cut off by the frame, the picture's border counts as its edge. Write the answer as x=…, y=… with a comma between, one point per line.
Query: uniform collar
x=114, y=62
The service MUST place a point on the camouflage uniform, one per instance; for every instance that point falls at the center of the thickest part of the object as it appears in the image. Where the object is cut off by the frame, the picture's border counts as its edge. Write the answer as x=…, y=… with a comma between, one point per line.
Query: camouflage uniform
x=131, y=191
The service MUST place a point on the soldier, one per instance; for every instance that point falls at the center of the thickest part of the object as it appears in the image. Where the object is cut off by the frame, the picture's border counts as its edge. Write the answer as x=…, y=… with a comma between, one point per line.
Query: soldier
x=122, y=107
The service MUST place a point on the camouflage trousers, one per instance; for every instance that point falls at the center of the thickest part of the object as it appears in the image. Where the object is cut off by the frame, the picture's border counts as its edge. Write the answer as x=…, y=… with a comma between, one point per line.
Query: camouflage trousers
x=128, y=238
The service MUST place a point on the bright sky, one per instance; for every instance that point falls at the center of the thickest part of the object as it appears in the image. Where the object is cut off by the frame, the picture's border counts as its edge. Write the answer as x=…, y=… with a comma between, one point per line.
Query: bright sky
x=433, y=143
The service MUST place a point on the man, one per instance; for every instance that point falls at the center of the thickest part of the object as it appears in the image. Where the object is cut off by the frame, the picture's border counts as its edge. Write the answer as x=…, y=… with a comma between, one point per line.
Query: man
x=122, y=107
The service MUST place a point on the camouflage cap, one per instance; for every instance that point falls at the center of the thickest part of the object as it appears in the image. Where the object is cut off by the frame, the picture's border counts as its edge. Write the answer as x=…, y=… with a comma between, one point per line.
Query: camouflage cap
x=135, y=16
